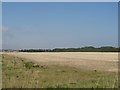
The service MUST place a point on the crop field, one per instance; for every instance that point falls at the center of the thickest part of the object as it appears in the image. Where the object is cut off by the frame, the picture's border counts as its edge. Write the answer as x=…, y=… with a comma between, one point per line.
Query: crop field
x=60, y=70
x=84, y=60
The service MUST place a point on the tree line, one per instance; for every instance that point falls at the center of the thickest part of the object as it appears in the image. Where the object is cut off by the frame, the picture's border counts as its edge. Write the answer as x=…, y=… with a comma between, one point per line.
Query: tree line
x=82, y=49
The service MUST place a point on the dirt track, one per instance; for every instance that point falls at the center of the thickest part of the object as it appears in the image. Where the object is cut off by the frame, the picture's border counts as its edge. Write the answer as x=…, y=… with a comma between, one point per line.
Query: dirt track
x=85, y=60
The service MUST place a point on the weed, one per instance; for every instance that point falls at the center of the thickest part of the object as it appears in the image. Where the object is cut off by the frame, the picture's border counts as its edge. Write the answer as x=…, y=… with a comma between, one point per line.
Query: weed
x=58, y=86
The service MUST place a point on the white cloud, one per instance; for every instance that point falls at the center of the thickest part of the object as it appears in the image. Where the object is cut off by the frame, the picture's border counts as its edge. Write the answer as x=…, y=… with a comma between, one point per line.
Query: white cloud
x=3, y=29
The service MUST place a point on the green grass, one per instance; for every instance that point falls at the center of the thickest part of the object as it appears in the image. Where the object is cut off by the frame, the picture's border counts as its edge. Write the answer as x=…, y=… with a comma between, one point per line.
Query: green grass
x=0, y=71
x=19, y=73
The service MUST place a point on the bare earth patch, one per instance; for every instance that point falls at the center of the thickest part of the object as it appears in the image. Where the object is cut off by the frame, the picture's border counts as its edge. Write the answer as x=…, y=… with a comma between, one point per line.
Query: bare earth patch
x=104, y=61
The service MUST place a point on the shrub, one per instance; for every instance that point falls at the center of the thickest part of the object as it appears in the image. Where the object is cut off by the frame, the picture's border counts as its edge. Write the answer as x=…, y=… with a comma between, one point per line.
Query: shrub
x=28, y=65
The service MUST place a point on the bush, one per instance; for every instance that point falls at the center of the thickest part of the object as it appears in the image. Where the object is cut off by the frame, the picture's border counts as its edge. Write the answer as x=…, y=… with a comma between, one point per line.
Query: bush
x=28, y=65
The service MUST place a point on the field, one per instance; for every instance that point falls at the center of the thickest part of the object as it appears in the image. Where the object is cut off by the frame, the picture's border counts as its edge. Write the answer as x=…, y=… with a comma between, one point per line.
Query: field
x=60, y=70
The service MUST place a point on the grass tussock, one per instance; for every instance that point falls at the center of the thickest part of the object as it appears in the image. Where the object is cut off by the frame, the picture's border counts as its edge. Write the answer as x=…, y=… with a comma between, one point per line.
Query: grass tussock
x=19, y=73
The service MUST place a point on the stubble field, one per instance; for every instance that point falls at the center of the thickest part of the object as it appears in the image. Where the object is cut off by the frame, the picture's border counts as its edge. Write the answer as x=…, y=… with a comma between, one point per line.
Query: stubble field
x=85, y=60
x=60, y=69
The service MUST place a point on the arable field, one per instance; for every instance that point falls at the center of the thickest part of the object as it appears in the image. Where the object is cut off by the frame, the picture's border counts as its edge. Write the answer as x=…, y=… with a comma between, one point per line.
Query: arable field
x=85, y=60
x=60, y=70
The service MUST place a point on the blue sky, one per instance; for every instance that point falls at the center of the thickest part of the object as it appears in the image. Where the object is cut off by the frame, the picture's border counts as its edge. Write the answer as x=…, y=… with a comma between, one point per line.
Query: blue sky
x=60, y=0
x=58, y=25
x=0, y=26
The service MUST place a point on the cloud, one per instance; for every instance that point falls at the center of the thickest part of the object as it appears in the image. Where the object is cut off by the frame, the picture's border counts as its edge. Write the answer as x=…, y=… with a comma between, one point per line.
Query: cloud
x=3, y=29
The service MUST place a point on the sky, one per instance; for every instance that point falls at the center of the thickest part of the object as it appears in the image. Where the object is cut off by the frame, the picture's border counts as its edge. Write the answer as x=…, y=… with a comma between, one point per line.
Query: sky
x=59, y=0
x=0, y=26
x=28, y=25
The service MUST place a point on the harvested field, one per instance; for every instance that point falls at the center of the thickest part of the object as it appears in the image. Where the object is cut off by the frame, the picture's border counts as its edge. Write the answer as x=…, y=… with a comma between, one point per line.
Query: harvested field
x=104, y=61
x=22, y=73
